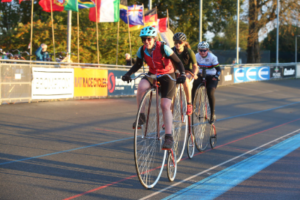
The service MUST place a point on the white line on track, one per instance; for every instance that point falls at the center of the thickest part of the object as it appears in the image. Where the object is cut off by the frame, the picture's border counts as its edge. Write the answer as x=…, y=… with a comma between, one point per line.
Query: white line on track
x=216, y=166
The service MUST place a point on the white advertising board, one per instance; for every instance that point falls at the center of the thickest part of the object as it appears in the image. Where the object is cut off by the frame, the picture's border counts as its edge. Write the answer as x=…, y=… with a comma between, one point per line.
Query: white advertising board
x=298, y=71
x=52, y=83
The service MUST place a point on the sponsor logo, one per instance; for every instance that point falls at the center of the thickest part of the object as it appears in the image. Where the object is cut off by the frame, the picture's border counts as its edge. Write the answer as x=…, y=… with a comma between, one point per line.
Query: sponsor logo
x=228, y=77
x=115, y=83
x=111, y=82
x=264, y=73
x=276, y=74
x=251, y=74
x=90, y=82
x=52, y=83
x=288, y=72
x=239, y=75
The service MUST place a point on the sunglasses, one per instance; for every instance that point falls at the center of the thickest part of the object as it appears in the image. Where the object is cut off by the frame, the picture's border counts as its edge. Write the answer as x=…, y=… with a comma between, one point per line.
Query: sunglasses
x=202, y=51
x=178, y=42
x=148, y=39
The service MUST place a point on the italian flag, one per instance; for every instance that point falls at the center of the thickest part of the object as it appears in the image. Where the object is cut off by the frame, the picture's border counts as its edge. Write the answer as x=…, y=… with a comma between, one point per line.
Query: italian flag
x=107, y=11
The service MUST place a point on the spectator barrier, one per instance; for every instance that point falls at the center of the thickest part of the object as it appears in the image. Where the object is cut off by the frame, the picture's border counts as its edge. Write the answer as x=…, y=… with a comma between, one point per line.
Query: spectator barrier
x=27, y=81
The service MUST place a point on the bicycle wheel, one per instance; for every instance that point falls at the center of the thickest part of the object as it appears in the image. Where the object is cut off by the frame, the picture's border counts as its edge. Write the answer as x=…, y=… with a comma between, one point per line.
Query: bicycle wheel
x=200, y=121
x=213, y=136
x=148, y=155
x=172, y=166
x=191, y=146
x=180, y=122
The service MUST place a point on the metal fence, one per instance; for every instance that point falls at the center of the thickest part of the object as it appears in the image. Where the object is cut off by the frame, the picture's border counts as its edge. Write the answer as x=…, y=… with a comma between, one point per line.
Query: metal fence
x=19, y=79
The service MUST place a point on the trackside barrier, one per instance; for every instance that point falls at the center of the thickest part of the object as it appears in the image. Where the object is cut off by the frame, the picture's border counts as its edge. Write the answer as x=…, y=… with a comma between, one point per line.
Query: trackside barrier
x=31, y=81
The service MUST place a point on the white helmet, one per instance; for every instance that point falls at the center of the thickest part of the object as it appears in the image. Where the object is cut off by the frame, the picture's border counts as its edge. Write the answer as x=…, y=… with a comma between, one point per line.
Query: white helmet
x=203, y=45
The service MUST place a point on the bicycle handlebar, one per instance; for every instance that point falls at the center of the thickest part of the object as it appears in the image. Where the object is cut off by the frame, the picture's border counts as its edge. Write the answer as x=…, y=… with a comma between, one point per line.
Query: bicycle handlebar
x=153, y=76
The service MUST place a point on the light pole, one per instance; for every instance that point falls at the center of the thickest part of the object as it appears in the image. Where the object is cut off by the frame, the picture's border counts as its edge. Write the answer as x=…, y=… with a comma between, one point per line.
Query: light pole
x=277, y=37
x=200, y=20
x=296, y=48
x=237, y=32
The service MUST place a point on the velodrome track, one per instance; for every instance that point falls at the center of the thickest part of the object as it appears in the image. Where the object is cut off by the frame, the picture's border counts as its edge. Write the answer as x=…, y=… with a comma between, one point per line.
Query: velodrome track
x=84, y=149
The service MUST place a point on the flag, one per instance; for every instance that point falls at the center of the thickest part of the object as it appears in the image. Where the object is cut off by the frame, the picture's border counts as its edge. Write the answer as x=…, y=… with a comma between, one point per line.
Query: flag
x=57, y=5
x=108, y=11
x=162, y=25
x=150, y=20
x=123, y=2
x=135, y=14
x=71, y=5
x=85, y=4
x=6, y=1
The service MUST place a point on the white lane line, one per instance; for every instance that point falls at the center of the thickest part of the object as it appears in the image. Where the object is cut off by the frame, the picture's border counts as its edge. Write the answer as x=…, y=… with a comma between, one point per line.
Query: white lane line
x=216, y=166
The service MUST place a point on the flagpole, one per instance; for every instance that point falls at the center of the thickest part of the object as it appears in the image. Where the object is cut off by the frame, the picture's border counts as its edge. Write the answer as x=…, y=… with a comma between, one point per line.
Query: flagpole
x=97, y=33
x=168, y=17
x=78, y=58
x=31, y=30
x=117, y=43
x=143, y=15
x=52, y=31
x=129, y=35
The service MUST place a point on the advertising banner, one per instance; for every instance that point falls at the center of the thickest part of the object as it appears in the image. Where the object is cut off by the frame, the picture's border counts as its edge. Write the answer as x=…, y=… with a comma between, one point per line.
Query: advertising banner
x=248, y=74
x=289, y=71
x=49, y=83
x=263, y=73
x=226, y=76
x=276, y=72
x=239, y=75
x=298, y=71
x=90, y=82
x=116, y=86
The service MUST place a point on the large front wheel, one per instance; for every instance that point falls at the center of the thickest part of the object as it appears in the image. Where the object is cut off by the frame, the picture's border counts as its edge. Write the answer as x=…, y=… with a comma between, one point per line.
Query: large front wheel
x=200, y=119
x=148, y=154
x=180, y=122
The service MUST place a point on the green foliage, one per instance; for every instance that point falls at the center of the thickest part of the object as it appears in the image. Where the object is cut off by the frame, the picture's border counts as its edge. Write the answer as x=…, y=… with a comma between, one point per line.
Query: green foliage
x=228, y=41
x=184, y=17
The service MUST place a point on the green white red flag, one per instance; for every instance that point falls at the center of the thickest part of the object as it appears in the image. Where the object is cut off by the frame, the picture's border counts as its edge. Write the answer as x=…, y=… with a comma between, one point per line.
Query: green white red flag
x=107, y=11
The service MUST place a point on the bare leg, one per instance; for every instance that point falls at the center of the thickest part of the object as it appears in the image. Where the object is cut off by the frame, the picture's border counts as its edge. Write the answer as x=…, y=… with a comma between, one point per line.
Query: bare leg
x=167, y=114
x=144, y=85
x=187, y=89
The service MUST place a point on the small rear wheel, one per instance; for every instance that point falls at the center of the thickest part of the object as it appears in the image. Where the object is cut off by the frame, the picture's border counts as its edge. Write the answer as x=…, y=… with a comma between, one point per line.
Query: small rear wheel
x=191, y=146
x=213, y=136
x=172, y=166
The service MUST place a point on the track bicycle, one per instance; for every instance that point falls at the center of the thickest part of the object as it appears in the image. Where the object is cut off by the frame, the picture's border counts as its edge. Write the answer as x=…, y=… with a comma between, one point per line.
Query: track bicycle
x=204, y=132
x=182, y=124
x=148, y=139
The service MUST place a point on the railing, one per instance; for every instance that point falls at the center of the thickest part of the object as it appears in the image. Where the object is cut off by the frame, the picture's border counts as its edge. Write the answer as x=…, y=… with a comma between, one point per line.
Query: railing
x=28, y=81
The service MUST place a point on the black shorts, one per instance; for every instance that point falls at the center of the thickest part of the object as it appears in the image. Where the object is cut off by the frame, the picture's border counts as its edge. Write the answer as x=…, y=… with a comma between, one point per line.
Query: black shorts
x=167, y=86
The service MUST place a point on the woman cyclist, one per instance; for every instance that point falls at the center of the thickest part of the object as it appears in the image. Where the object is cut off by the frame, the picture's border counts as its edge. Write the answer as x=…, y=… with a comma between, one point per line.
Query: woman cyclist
x=158, y=65
x=187, y=57
x=210, y=62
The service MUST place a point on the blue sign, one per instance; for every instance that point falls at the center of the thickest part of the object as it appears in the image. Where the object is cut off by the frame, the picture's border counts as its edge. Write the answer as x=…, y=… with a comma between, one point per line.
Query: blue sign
x=263, y=73
x=251, y=74
x=239, y=74
x=116, y=86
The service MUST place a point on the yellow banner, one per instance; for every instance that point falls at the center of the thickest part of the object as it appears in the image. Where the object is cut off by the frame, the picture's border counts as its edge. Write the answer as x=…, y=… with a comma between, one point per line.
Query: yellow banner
x=90, y=82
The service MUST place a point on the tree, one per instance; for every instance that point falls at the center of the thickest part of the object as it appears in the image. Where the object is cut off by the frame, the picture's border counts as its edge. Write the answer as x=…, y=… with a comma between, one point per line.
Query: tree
x=184, y=15
x=286, y=44
x=262, y=12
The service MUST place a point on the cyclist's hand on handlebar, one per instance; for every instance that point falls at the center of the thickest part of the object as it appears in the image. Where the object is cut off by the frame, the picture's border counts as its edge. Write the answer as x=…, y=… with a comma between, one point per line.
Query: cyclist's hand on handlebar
x=216, y=78
x=126, y=77
x=195, y=77
x=181, y=78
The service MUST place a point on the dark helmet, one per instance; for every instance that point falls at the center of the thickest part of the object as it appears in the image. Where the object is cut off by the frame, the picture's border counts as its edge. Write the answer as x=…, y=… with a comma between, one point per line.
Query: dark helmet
x=179, y=36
